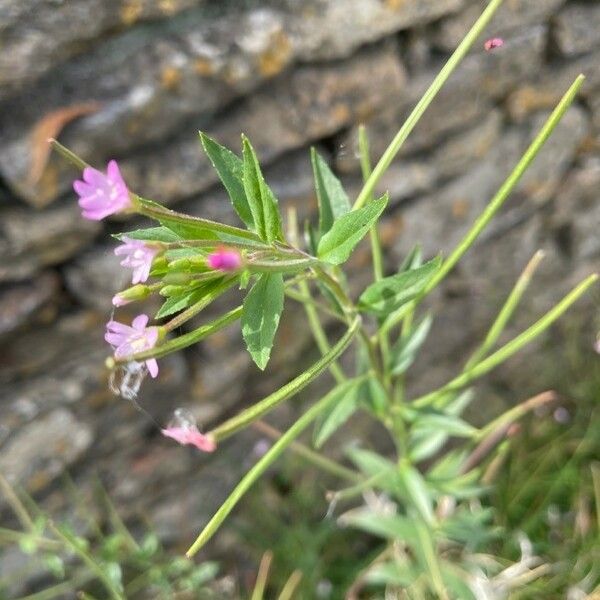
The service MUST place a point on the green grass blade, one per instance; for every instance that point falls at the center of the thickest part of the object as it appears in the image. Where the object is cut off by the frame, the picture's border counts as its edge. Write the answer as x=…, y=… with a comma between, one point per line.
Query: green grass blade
x=426, y=100
x=293, y=387
x=497, y=201
x=260, y=467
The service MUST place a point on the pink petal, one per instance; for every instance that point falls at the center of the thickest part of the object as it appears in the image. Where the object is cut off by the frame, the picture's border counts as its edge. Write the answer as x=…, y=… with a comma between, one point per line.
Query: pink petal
x=114, y=173
x=152, y=367
x=83, y=189
x=140, y=322
x=193, y=437
x=94, y=177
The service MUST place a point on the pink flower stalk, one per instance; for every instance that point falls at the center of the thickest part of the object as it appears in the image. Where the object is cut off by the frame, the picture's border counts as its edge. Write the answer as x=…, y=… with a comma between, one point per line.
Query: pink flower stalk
x=190, y=436
x=597, y=345
x=128, y=340
x=183, y=429
x=138, y=256
x=224, y=259
x=101, y=195
x=493, y=43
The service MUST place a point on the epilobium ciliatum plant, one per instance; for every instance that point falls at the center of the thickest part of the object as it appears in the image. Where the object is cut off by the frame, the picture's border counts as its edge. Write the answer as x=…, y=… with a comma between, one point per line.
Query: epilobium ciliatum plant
x=423, y=501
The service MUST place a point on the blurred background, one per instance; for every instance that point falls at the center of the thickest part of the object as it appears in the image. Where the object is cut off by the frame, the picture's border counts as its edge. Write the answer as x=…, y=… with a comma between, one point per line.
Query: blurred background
x=134, y=80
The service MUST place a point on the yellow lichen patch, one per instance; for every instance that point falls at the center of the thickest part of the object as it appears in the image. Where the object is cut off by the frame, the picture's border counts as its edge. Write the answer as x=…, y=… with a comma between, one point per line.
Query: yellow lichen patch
x=460, y=209
x=168, y=7
x=527, y=100
x=393, y=4
x=38, y=481
x=340, y=112
x=203, y=67
x=276, y=56
x=131, y=11
x=170, y=78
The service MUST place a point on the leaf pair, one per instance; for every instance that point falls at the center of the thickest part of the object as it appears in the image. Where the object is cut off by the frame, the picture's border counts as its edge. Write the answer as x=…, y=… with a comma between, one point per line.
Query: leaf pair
x=250, y=195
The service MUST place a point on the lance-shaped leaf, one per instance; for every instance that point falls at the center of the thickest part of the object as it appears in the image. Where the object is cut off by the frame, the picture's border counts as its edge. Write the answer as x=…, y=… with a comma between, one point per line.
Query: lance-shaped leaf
x=341, y=409
x=337, y=244
x=333, y=200
x=230, y=168
x=151, y=234
x=405, y=351
x=262, y=309
x=262, y=202
x=388, y=294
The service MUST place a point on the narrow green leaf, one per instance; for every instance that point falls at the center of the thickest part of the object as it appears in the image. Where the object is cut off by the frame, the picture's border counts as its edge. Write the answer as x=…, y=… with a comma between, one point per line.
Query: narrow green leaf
x=261, y=200
x=388, y=294
x=174, y=304
x=230, y=168
x=391, y=573
x=260, y=467
x=193, y=228
x=262, y=310
x=389, y=527
x=413, y=259
x=333, y=200
x=340, y=411
x=151, y=234
x=338, y=243
x=405, y=351
x=424, y=443
x=416, y=490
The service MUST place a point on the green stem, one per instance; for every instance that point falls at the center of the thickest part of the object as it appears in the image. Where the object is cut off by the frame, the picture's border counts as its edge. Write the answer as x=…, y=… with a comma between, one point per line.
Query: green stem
x=513, y=346
x=376, y=253
x=316, y=459
x=507, y=310
x=182, y=341
x=262, y=407
x=423, y=104
x=89, y=561
x=263, y=464
x=282, y=266
x=193, y=310
x=303, y=299
x=318, y=332
x=164, y=215
x=496, y=202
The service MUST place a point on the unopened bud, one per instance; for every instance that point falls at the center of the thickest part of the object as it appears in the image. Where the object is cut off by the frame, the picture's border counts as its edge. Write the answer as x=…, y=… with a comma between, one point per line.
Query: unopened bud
x=132, y=294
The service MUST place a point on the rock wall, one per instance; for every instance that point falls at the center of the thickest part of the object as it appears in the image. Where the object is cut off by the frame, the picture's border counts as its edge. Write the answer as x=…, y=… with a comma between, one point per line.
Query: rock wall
x=135, y=79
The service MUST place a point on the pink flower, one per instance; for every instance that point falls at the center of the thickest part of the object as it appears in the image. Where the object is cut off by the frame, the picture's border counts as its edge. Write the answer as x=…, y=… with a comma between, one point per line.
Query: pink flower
x=138, y=256
x=224, y=259
x=597, y=345
x=101, y=195
x=128, y=340
x=183, y=429
x=493, y=43
x=190, y=436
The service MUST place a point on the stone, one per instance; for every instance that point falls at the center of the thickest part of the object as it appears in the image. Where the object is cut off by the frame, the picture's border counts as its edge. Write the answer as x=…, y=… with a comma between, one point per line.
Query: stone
x=27, y=302
x=186, y=71
x=312, y=103
x=95, y=276
x=467, y=96
x=30, y=241
x=39, y=34
x=576, y=28
x=43, y=449
x=326, y=29
x=440, y=220
x=546, y=87
x=576, y=221
x=511, y=16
